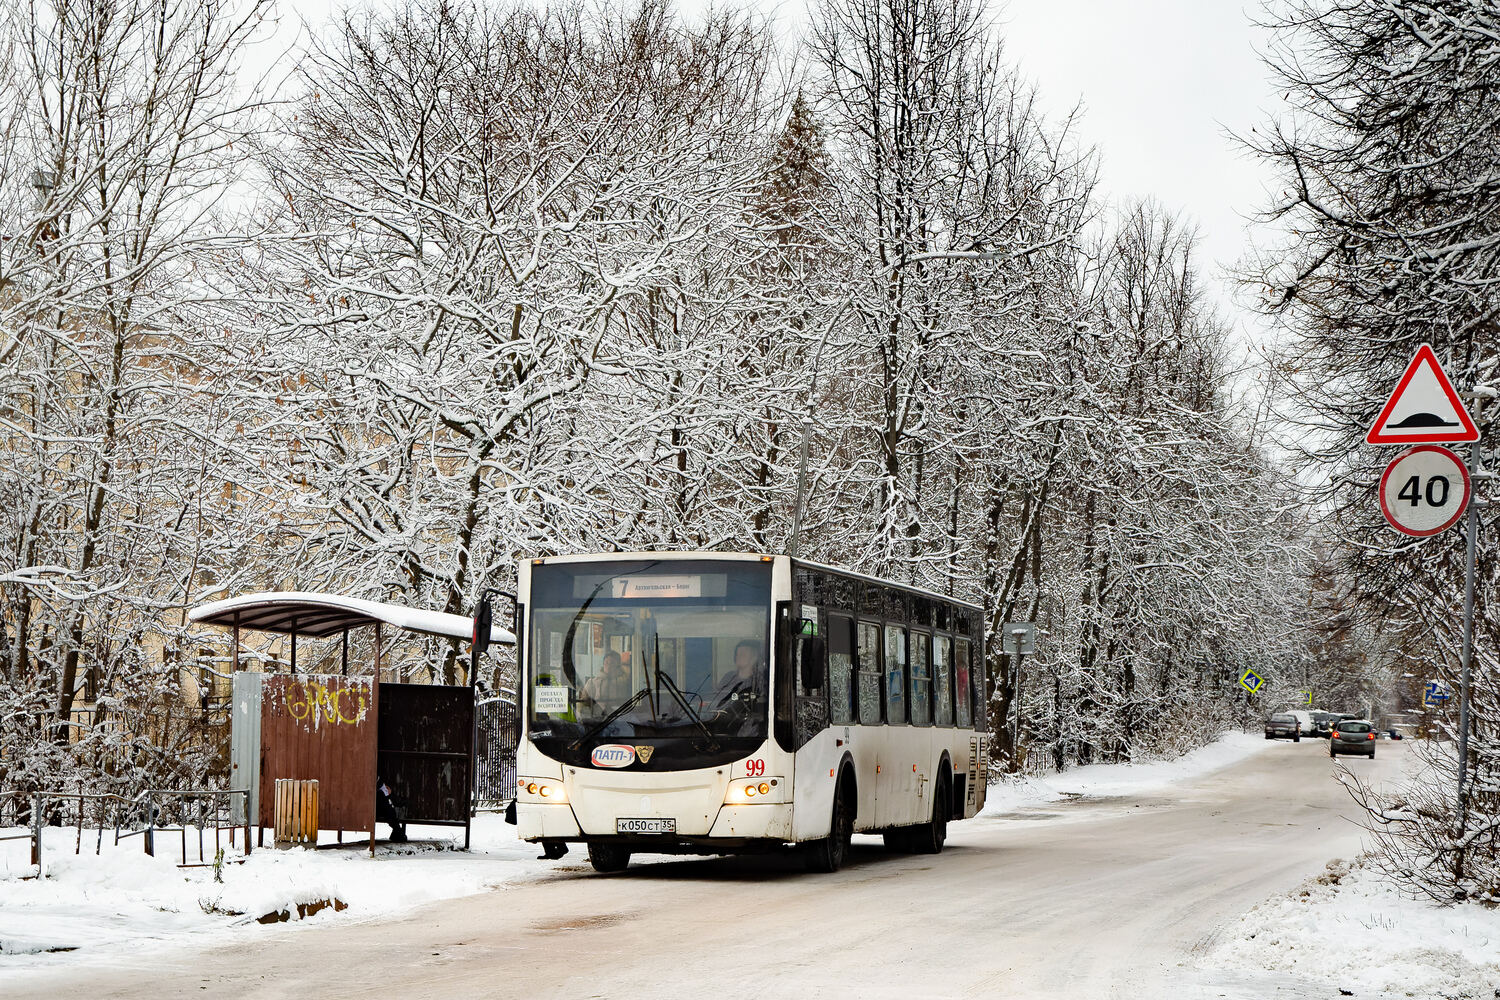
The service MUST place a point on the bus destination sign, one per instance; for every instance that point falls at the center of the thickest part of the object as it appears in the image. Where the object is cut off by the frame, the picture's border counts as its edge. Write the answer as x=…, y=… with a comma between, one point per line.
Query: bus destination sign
x=661, y=585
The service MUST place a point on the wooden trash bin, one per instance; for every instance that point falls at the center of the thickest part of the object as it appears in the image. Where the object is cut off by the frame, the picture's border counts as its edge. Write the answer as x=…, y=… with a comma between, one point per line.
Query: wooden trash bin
x=296, y=813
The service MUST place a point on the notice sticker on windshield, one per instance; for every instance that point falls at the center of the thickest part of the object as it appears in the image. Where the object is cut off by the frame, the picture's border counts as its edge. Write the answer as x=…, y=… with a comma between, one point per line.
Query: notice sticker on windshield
x=809, y=622
x=549, y=698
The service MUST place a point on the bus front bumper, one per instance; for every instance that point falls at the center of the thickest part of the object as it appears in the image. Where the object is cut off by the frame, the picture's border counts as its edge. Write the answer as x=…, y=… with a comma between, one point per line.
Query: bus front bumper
x=546, y=822
x=762, y=821
x=733, y=823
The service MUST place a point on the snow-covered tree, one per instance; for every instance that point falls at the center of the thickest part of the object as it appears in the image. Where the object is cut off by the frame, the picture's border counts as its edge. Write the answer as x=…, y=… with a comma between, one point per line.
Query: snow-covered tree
x=1389, y=218
x=115, y=161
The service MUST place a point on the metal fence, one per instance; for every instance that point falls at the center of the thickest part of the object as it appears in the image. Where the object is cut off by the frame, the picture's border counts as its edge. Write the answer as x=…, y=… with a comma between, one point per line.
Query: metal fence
x=497, y=730
x=153, y=812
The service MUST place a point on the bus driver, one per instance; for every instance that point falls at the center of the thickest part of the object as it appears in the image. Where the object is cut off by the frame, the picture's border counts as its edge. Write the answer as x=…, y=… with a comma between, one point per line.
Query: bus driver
x=610, y=686
x=736, y=688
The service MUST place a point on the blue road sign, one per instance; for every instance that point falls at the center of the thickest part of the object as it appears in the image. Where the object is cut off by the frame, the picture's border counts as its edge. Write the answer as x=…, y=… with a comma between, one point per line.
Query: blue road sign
x=1251, y=681
x=1437, y=692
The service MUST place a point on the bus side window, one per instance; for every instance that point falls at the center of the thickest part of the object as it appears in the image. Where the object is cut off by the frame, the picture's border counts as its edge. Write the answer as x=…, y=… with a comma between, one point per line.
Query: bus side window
x=942, y=680
x=981, y=694
x=963, y=699
x=921, y=680
x=840, y=670
x=895, y=674
x=869, y=674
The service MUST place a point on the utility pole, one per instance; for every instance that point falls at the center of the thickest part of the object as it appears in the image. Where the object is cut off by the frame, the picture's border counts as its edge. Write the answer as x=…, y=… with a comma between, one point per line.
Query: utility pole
x=796, y=543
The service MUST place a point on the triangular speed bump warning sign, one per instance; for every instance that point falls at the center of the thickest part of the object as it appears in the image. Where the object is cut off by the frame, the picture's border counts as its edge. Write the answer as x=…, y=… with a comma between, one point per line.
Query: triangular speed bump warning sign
x=1424, y=409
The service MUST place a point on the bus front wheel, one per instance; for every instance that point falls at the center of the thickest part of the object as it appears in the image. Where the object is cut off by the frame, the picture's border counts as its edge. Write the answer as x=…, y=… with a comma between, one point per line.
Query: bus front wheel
x=608, y=858
x=830, y=853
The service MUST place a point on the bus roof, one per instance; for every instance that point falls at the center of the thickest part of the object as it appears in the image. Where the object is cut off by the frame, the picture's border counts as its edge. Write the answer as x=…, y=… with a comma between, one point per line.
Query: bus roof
x=749, y=557
x=911, y=588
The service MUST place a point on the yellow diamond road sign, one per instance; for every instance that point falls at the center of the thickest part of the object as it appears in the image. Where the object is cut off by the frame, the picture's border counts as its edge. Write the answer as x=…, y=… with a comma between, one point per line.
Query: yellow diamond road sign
x=1251, y=681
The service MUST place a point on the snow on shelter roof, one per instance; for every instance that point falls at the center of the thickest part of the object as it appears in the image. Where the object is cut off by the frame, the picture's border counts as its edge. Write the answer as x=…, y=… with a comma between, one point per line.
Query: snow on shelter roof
x=321, y=615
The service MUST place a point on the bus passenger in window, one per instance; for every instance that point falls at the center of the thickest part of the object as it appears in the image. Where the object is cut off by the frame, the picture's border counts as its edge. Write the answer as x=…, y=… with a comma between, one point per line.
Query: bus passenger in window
x=611, y=686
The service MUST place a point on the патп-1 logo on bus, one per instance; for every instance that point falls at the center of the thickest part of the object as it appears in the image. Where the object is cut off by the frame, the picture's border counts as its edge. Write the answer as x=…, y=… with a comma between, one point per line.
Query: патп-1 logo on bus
x=613, y=755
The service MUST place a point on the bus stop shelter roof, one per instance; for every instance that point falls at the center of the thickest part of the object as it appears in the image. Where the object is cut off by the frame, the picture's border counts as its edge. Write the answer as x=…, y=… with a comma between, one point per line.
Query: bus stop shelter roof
x=294, y=612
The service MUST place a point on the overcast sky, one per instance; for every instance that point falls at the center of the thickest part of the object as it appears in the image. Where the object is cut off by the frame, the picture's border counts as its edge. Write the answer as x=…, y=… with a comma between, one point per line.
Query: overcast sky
x=1162, y=82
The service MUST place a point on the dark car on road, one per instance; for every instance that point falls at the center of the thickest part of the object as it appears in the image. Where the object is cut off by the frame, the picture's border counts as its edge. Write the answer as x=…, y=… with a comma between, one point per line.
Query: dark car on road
x=1354, y=736
x=1323, y=723
x=1284, y=727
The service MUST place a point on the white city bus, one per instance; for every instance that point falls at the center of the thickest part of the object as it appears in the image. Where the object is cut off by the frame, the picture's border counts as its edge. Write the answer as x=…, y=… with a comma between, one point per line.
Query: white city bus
x=712, y=703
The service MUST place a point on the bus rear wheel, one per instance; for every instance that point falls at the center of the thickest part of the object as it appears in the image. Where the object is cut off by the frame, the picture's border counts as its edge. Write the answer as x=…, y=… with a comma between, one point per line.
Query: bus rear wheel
x=608, y=858
x=829, y=854
x=929, y=838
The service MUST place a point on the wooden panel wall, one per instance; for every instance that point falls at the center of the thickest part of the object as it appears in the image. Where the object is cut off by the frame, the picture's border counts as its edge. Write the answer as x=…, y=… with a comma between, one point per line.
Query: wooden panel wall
x=321, y=726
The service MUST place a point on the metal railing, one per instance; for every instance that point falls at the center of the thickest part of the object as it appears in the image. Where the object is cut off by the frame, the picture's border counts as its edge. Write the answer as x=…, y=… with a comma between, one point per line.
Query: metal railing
x=497, y=730
x=153, y=811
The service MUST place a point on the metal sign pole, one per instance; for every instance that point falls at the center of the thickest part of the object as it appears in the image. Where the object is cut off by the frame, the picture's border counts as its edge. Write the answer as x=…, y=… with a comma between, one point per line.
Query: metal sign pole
x=1466, y=653
x=1015, y=732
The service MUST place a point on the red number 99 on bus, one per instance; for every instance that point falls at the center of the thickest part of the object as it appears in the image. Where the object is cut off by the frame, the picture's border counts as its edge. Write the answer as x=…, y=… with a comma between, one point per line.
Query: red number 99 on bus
x=755, y=768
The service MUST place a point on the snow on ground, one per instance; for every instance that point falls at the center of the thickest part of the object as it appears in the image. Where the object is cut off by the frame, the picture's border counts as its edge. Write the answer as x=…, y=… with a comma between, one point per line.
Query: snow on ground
x=1351, y=926
x=124, y=900
x=1110, y=780
x=1346, y=925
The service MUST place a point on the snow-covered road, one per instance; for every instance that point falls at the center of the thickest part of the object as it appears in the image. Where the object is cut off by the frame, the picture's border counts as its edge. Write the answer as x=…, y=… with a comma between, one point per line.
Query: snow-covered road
x=1096, y=896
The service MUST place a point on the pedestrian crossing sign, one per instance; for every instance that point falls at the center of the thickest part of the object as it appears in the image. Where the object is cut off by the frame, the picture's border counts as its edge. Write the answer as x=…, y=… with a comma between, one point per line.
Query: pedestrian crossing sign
x=1251, y=681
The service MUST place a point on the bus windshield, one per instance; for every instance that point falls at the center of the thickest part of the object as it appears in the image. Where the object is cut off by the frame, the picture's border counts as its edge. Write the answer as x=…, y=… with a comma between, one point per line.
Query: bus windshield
x=641, y=649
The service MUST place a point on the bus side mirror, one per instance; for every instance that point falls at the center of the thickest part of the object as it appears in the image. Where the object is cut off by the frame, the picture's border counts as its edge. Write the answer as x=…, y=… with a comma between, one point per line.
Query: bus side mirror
x=813, y=649
x=481, y=638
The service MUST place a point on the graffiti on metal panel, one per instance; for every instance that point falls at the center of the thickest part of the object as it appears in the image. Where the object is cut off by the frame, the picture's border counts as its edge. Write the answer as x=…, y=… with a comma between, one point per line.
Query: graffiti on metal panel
x=309, y=701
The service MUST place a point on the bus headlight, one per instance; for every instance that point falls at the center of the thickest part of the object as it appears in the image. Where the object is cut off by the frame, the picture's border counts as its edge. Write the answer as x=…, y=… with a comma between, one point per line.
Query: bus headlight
x=755, y=790
x=540, y=790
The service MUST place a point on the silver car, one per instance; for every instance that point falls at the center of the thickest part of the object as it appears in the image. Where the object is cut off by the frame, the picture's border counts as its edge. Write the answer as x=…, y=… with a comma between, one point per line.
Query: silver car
x=1354, y=736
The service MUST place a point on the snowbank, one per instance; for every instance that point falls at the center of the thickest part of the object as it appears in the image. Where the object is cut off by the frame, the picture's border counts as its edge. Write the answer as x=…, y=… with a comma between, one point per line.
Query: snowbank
x=1111, y=780
x=122, y=900
x=1353, y=928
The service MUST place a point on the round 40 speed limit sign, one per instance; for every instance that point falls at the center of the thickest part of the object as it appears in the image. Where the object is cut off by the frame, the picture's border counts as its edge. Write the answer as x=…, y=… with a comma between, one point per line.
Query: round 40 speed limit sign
x=1424, y=490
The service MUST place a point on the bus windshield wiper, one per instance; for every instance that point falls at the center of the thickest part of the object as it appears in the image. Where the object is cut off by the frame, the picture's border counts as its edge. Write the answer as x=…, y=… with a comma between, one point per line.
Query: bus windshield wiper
x=680, y=698
x=635, y=700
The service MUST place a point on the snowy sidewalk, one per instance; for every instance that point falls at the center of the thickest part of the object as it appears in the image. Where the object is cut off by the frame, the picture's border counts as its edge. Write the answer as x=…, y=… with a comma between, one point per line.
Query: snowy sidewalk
x=92, y=907
x=1349, y=926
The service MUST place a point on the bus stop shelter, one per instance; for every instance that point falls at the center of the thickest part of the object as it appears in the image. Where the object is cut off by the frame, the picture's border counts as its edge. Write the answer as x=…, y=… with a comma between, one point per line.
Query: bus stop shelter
x=347, y=732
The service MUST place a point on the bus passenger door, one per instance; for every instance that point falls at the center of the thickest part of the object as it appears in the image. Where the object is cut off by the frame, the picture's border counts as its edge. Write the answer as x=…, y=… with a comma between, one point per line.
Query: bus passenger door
x=893, y=781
